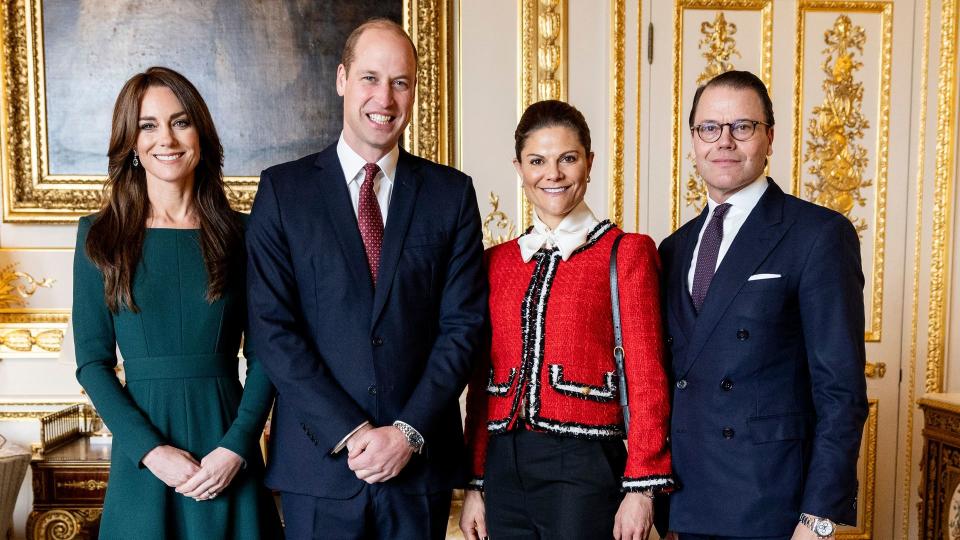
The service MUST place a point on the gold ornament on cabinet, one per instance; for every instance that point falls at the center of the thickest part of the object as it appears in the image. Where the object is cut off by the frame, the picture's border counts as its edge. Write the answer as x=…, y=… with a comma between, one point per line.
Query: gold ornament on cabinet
x=718, y=46
x=836, y=158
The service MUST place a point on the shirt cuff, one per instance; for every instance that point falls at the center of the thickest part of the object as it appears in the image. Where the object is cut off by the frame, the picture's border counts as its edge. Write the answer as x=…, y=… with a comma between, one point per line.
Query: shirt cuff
x=343, y=442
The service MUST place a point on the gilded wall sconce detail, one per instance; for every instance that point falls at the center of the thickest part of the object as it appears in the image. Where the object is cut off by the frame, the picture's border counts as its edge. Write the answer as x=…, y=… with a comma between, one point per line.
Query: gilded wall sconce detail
x=499, y=221
x=837, y=160
x=718, y=46
x=16, y=287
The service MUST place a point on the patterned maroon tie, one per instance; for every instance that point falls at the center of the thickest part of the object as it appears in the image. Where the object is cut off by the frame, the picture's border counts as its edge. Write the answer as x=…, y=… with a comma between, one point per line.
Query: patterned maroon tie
x=707, y=256
x=370, y=220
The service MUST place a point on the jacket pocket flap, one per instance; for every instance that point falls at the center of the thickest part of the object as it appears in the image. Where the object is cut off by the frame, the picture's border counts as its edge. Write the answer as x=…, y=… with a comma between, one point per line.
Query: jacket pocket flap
x=765, y=429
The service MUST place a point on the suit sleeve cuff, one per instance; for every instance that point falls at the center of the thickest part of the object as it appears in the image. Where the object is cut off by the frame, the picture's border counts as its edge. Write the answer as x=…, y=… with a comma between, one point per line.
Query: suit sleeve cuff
x=343, y=442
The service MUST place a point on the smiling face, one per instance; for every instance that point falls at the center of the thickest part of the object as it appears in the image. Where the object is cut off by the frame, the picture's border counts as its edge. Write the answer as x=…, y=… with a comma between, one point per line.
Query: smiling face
x=554, y=167
x=378, y=92
x=728, y=165
x=168, y=144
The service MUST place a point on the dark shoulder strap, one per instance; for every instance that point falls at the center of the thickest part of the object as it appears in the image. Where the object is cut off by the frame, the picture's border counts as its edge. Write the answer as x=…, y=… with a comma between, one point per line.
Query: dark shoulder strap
x=615, y=295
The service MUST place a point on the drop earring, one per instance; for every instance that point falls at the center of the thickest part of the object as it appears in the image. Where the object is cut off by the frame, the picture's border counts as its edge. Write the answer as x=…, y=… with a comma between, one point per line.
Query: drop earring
x=136, y=159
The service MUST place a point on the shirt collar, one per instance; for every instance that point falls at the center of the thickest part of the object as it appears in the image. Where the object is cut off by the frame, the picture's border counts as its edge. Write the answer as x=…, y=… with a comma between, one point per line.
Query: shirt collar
x=353, y=164
x=745, y=199
x=567, y=237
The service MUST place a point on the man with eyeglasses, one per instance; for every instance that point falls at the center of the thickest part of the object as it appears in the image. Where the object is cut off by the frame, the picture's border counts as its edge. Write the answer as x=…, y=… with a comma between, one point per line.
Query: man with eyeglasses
x=765, y=322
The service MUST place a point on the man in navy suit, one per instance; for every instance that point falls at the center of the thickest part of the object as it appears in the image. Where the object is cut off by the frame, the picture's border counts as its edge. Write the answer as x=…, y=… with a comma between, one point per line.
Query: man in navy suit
x=765, y=323
x=366, y=302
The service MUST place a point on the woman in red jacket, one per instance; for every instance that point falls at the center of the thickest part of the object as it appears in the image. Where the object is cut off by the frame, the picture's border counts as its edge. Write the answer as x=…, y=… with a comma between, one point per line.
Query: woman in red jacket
x=544, y=427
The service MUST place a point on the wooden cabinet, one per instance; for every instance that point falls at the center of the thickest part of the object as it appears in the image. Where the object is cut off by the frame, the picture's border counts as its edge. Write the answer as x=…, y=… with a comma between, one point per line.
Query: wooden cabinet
x=940, y=467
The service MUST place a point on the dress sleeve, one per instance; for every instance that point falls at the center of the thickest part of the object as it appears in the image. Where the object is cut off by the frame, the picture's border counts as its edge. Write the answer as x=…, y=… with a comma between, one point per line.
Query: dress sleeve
x=96, y=345
x=648, y=455
x=243, y=436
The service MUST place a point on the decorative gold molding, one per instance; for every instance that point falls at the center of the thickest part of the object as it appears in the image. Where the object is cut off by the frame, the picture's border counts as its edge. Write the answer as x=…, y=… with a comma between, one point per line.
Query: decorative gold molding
x=543, y=64
x=885, y=10
x=18, y=414
x=89, y=485
x=942, y=194
x=865, y=530
x=61, y=524
x=32, y=194
x=907, y=461
x=638, y=139
x=618, y=68
x=500, y=221
x=765, y=7
x=14, y=294
x=32, y=333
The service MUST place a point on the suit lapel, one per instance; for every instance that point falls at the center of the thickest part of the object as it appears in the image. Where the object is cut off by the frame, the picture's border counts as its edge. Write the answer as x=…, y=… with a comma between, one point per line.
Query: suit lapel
x=336, y=199
x=402, y=201
x=759, y=234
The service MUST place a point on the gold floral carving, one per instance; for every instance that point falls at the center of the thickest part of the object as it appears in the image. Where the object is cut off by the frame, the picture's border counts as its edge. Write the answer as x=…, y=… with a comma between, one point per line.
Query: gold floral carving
x=836, y=157
x=618, y=71
x=543, y=63
x=765, y=9
x=499, y=221
x=16, y=286
x=942, y=193
x=864, y=530
x=837, y=173
x=32, y=194
x=60, y=524
x=718, y=46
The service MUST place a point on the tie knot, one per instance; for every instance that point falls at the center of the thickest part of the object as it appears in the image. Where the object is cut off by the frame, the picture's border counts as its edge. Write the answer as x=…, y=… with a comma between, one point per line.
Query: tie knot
x=370, y=171
x=720, y=211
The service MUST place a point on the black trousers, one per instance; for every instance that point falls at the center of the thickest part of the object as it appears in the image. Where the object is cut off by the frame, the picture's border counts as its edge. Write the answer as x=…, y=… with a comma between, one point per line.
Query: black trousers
x=538, y=485
x=378, y=512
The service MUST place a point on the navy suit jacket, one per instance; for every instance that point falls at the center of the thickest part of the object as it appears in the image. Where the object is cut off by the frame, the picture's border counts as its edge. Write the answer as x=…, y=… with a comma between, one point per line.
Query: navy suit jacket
x=769, y=395
x=341, y=353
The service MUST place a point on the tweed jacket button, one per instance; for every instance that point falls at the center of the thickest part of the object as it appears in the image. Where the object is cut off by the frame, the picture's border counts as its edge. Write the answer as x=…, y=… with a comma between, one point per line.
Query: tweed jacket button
x=728, y=433
x=726, y=384
x=372, y=389
x=669, y=340
x=681, y=384
x=743, y=335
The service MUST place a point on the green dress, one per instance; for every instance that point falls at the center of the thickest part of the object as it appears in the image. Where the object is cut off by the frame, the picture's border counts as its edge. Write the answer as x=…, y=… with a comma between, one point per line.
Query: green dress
x=182, y=389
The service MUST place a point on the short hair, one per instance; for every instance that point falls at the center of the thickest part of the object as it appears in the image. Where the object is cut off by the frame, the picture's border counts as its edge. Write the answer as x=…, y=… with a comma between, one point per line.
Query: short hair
x=551, y=113
x=737, y=80
x=383, y=23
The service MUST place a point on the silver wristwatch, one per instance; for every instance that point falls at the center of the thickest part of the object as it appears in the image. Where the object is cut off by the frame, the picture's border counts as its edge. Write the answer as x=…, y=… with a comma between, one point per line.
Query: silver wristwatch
x=412, y=435
x=822, y=527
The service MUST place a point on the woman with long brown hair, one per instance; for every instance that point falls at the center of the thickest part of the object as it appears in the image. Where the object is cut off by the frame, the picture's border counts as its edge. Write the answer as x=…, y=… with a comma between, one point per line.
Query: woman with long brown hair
x=159, y=273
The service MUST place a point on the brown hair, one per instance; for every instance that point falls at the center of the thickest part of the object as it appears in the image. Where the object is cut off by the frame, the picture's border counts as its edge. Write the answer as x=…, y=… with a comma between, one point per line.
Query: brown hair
x=115, y=241
x=383, y=23
x=737, y=80
x=551, y=113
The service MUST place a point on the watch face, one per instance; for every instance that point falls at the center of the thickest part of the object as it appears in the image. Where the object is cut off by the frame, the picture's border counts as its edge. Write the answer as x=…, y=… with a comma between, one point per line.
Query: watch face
x=824, y=528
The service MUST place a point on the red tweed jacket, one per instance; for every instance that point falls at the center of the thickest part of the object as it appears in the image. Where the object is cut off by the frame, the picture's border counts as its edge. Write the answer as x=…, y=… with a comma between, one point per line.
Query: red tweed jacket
x=551, y=353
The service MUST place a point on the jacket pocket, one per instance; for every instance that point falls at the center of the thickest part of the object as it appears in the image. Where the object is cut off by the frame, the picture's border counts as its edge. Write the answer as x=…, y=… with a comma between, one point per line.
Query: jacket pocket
x=604, y=393
x=501, y=389
x=764, y=429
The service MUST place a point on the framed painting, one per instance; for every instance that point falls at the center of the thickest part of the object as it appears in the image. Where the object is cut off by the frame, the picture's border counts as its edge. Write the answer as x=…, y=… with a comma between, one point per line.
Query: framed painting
x=266, y=69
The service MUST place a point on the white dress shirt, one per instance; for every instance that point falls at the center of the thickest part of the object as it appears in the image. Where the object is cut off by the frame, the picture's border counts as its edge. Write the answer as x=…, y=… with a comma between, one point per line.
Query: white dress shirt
x=741, y=204
x=352, y=165
x=569, y=235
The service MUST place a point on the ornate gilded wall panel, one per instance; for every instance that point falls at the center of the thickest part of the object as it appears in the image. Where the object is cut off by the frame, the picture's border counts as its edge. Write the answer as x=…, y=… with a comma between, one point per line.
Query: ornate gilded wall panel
x=710, y=37
x=31, y=193
x=34, y=285
x=867, y=477
x=543, y=63
x=841, y=123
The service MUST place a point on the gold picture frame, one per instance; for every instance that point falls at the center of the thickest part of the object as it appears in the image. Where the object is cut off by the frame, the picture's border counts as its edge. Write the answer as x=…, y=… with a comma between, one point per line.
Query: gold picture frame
x=31, y=194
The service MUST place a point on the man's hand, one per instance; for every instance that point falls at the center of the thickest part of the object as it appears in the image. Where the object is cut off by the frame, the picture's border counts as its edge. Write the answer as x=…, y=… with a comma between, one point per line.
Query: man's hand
x=634, y=517
x=802, y=532
x=217, y=470
x=171, y=465
x=473, y=521
x=378, y=454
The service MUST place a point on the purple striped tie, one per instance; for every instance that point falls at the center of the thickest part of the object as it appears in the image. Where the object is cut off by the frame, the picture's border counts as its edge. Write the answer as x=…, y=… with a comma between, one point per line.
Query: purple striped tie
x=707, y=256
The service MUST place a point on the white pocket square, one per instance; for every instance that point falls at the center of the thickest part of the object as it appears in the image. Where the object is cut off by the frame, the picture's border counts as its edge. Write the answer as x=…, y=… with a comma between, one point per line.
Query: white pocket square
x=757, y=277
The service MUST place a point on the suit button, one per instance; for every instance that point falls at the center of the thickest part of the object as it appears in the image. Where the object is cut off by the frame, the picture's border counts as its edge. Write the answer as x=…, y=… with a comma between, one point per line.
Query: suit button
x=377, y=341
x=669, y=340
x=728, y=433
x=372, y=389
x=726, y=385
x=743, y=335
x=681, y=384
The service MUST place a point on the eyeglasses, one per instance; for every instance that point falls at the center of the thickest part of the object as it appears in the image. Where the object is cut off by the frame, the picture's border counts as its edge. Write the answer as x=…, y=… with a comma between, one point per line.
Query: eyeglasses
x=741, y=130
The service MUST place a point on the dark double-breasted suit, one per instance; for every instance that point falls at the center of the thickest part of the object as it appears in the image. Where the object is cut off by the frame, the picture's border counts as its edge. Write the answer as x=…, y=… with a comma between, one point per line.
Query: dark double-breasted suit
x=341, y=352
x=769, y=396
